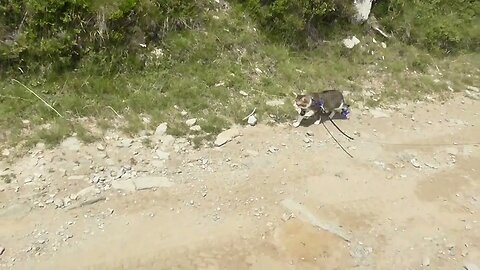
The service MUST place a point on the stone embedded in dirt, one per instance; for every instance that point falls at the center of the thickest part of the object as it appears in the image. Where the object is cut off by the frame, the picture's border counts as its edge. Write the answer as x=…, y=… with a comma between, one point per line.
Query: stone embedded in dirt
x=100, y=147
x=275, y=102
x=58, y=203
x=124, y=185
x=415, y=163
x=162, y=155
x=227, y=136
x=470, y=266
x=191, y=122
x=5, y=152
x=149, y=182
x=196, y=128
x=378, y=113
x=71, y=143
x=473, y=88
x=86, y=192
x=161, y=129
x=252, y=120
x=272, y=149
x=472, y=94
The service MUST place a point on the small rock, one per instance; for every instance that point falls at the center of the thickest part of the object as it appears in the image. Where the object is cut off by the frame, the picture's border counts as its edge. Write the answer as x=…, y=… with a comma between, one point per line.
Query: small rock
x=100, y=147
x=351, y=42
x=243, y=93
x=470, y=266
x=2, y=250
x=5, y=152
x=415, y=163
x=252, y=120
x=473, y=88
x=384, y=45
x=191, y=122
x=472, y=95
x=272, y=149
x=226, y=136
x=58, y=203
x=149, y=182
x=183, y=113
x=161, y=129
x=426, y=261
x=196, y=128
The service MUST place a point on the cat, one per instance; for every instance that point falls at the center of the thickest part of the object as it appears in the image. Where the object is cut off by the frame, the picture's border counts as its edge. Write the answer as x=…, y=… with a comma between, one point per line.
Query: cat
x=317, y=103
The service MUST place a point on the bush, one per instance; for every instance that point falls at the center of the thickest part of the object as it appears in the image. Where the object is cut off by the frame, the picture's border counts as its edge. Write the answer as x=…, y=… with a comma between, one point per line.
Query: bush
x=436, y=25
x=294, y=22
x=60, y=33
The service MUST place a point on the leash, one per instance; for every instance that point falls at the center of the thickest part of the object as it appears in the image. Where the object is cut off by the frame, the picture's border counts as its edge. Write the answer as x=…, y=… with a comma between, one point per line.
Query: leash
x=341, y=131
x=344, y=150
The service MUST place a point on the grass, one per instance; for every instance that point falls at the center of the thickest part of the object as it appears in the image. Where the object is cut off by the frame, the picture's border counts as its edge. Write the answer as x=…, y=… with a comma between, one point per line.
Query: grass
x=204, y=71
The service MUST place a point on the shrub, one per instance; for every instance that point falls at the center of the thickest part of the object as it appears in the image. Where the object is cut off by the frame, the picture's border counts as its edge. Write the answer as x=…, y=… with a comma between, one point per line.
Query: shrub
x=60, y=33
x=437, y=25
x=294, y=22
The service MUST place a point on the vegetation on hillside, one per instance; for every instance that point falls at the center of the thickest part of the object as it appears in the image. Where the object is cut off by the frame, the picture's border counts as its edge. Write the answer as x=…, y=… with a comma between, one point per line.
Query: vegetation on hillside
x=148, y=60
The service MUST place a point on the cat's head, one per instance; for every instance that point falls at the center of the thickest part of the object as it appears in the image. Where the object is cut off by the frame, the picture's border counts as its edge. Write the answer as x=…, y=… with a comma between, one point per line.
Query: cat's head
x=302, y=101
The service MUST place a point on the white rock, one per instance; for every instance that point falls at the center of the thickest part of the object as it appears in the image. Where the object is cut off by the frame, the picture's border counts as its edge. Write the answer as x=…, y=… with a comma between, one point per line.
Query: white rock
x=384, y=45
x=252, y=120
x=100, y=147
x=363, y=8
x=71, y=143
x=473, y=88
x=196, y=128
x=124, y=185
x=162, y=155
x=58, y=203
x=149, y=182
x=191, y=122
x=86, y=192
x=5, y=152
x=183, y=113
x=415, y=163
x=243, y=93
x=351, y=42
x=161, y=129
x=226, y=136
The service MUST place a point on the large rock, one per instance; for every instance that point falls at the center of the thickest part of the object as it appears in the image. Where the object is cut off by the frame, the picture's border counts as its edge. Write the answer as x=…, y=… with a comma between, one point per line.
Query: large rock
x=226, y=136
x=363, y=8
x=149, y=182
x=124, y=185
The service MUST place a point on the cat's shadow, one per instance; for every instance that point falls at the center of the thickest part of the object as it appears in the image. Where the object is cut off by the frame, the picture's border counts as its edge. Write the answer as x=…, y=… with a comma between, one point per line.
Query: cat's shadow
x=324, y=117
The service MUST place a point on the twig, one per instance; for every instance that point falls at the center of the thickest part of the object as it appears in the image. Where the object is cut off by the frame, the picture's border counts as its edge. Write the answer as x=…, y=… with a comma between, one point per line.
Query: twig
x=115, y=112
x=250, y=114
x=381, y=32
x=31, y=91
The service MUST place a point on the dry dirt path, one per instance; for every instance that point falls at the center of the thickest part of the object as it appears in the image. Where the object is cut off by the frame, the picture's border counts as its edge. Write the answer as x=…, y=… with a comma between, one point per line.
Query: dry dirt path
x=272, y=198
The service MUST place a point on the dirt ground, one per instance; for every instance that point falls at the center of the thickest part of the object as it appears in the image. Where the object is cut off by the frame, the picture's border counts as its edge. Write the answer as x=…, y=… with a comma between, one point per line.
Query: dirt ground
x=276, y=197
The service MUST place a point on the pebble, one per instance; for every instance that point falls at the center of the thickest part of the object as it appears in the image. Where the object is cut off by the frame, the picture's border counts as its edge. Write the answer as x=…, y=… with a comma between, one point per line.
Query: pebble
x=252, y=120
x=100, y=147
x=161, y=129
x=59, y=203
x=2, y=250
x=196, y=128
x=191, y=122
